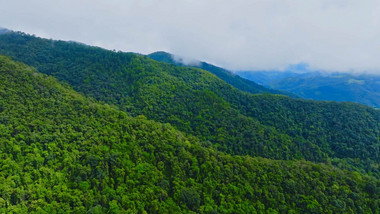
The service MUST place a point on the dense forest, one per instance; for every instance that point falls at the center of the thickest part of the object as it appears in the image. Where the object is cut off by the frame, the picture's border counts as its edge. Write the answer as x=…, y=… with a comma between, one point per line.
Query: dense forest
x=314, y=121
x=64, y=153
x=200, y=104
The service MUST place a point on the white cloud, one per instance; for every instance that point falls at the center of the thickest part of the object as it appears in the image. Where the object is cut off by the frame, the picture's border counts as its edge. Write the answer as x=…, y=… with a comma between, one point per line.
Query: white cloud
x=339, y=35
x=186, y=60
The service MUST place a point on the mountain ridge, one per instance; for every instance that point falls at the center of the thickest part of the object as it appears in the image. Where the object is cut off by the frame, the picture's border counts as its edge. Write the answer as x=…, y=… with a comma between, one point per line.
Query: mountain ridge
x=226, y=75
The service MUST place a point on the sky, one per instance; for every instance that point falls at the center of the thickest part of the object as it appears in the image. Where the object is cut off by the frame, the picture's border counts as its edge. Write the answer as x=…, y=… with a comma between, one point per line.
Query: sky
x=329, y=35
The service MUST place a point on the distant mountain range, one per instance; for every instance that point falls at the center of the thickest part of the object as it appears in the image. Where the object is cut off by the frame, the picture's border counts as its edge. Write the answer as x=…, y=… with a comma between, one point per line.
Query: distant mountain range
x=360, y=88
x=3, y=30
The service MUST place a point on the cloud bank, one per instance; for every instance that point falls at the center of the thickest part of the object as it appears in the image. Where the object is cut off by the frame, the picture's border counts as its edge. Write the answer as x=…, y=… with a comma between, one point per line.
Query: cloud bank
x=332, y=35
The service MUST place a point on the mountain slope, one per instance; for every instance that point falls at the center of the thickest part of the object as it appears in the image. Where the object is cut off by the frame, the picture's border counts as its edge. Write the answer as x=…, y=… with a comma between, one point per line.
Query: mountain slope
x=62, y=152
x=163, y=92
x=200, y=104
x=227, y=76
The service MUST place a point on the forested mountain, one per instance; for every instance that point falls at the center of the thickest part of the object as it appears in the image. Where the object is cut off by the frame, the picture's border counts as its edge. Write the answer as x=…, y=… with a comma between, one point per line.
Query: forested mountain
x=361, y=88
x=227, y=76
x=202, y=105
x=64, y=153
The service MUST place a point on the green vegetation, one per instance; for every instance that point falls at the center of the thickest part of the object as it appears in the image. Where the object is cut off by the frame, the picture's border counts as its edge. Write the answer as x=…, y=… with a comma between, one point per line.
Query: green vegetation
x=64, y=153
x=199, y=104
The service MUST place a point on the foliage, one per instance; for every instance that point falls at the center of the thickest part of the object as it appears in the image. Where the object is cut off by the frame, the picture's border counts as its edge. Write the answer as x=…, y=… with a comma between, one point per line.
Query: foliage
x=199, y=104
x=64, y=153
